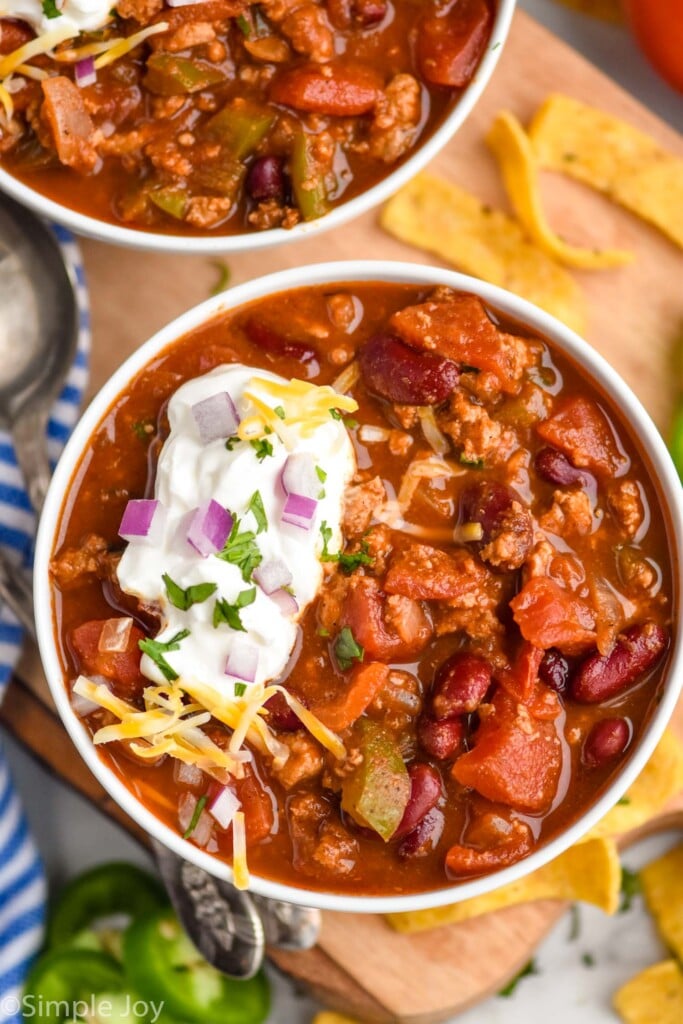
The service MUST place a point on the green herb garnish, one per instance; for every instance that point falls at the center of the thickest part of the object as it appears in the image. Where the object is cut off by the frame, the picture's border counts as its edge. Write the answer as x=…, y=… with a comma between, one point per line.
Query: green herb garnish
x=240, y=689
x=326, y=534
x=256, y=508
x=244, y=25
x=530, y=968
x=242, y=550
x=279, y=412
x=231, y=442
x=630, y=888
x=321, y=474
x=323, y=631
x=201, y=804
x=262, y=447
x=184, y=599
x=347, y=562
x=624, y=802
x=348, y=421
x=223, y=271
x=155, y=649
x=471, y=463
x=224, y=612
x=347, y=649
x=588, y=960
x=575, y=926
x=50, y=9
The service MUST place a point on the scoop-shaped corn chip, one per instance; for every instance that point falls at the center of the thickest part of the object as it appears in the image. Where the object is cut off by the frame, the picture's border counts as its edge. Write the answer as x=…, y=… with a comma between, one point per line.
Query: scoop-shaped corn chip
x=327, y=1017
x=662, y=882
x=659, y=781
x=613, y=157
x=444, y=219
x=605, y=10
x=654, y=996
x=589, y=872
x=517, y=161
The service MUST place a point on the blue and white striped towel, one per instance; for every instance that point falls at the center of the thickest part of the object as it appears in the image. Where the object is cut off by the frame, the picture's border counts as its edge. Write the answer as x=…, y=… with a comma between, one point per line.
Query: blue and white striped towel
x=22, y=880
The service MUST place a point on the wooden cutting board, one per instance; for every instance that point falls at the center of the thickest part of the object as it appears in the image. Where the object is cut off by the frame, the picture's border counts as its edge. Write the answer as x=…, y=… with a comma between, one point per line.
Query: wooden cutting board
x=635, y=312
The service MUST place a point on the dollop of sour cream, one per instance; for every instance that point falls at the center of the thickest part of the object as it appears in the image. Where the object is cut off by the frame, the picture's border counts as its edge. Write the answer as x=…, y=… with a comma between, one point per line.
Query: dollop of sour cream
x=190, y=473
x=75, y=15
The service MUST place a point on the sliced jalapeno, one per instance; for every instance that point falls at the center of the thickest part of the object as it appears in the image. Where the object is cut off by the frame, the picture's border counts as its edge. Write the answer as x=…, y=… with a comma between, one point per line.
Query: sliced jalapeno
x=163, y=966
x=65, y=979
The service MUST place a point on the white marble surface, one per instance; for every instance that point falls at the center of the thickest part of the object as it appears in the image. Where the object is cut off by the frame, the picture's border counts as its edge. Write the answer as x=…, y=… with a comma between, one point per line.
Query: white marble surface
x=72, y=836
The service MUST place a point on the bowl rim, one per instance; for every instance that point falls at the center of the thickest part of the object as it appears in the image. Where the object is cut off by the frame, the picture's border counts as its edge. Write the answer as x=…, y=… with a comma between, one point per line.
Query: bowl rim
x=151, y=241
x=386, y=271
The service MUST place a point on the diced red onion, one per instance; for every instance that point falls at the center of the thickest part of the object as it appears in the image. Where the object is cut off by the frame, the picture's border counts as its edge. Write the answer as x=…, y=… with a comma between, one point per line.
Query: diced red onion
x=285, y=601
x=272, y=575
x=143, y=522
x=208, y=528
x=370, y=434
x=115, y=636
x=299, y=475
x=299, y=511
x=224, y=807
x=216, y=417
x=187, y=774
x=82, y=706
x=84, y=72
x=242, y=661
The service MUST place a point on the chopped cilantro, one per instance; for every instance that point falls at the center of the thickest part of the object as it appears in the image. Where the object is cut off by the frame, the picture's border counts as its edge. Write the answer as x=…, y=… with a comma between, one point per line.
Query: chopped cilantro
x=323, y=632
x=223, y=279
x=242, y=550
x=347, y=649
x=256, y=508
x=624, y=802
x=143, y=429
x=326, y=533
x=471, y=463
x=231, y=442
x=630, y=888
x=335, y=414
x=224, y=612
x=348, y=421
x=347, y=562
x=155, y=649
x=588, y=960
x=201, y=804
x=575, y=926
x=262, y=447
x=240, y=689
x=321, y=474
x=279, y=412
x=50, y=9
x=508, y=990
x=184, y=599
x=244, y=25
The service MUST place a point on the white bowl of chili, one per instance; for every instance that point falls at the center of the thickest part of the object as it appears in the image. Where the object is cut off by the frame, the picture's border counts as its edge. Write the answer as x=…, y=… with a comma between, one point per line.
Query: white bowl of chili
x=157, y=216
x=586, y=754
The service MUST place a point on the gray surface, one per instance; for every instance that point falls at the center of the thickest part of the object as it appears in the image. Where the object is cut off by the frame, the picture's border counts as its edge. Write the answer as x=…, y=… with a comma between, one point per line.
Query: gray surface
x=72, y=835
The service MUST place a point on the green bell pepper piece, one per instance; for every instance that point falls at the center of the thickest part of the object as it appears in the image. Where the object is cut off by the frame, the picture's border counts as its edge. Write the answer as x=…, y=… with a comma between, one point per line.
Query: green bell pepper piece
x=163, y=965
x=106, y=891
x=172, y=201
x=377, y=792
x=62, y=979
x=241, y=126
x=224, y=177
x=168, y=75
x=308, y=178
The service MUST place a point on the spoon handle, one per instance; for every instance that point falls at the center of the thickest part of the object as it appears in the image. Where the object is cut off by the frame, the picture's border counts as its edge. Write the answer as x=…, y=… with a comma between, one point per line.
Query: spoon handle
x=28, y=434
x=15, y=592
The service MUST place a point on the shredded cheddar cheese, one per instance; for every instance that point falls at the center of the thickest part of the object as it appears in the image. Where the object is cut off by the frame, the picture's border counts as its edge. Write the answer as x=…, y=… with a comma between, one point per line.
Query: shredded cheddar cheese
x=7, y=101
x=305, y=406
x=34, y=48
x=119, y=47
x=239, y=852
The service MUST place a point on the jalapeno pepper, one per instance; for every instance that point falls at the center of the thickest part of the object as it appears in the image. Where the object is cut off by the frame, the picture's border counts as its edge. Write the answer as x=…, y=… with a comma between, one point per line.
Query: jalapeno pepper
x=107, y=891
x=163, y=966
x=172, y=201
x=308, y=178
x=240, y=126
x=67, y=977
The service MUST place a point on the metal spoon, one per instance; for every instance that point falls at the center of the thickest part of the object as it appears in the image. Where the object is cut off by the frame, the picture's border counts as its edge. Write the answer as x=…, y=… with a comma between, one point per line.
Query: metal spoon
x=38, y=334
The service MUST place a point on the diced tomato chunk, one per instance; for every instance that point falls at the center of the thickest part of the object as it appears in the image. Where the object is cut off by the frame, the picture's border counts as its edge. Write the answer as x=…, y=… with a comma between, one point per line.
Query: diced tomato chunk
x=340, y=90
x=429, y=574
x=121, y=667
x=580, y=429
x=450, y=45
x=467, y=860
x=365, y=684
x=550, y=616
x=364, y=613
x=521, y=678
x=461, y=330
x=257, y=804
x=70, y=123
x=516, y=758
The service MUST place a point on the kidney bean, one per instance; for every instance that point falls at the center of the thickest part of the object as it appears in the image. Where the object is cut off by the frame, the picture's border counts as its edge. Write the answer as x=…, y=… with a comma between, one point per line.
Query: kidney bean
x=554, y=670
x=369, y=12
x=607, y=739
x=555, y=467
x=440, y=739
x=399, y=373
x=425, y=792
x=425, y=836
x=460, y=685
x=280, y=715
x=266, y=178
x=600, y=677
x=486, y=503
x=275, y=344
